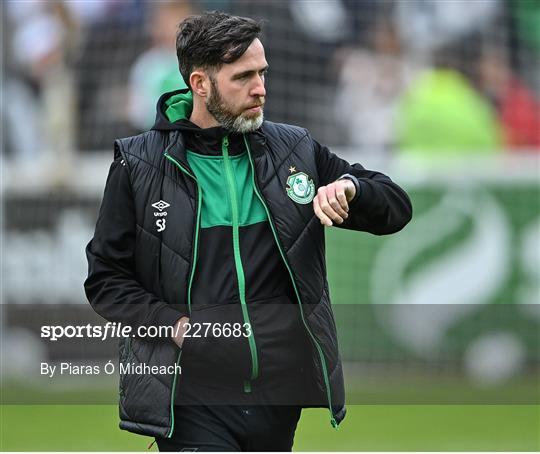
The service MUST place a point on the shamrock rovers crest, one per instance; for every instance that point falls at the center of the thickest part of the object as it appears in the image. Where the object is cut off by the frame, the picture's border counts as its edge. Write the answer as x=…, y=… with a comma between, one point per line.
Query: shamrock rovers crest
x=300, y=188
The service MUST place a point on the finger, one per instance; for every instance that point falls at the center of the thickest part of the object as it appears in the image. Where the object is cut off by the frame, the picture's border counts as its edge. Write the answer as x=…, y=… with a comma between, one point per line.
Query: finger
x=327, y=208
x=333, y=200
x=341, y=197
x=325, y=220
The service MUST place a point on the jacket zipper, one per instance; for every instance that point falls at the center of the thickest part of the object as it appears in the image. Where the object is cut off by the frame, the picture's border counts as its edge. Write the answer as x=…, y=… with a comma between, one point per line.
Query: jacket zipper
x=231, y=187
x=191, y=276
x=285, y=260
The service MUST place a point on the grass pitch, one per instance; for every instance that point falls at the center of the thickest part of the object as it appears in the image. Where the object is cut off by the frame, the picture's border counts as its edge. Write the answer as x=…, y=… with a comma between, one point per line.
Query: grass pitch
x=366, y=428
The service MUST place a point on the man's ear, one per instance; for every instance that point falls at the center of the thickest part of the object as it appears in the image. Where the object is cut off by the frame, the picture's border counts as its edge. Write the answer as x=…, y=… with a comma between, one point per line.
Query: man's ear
x=200, y=83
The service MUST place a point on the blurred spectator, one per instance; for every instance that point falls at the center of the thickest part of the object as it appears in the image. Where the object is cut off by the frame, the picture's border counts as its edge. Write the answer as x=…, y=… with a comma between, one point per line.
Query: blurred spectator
x=112, y=40
x=441, y=113
x=301, y=80
x=89, y=12
x=19, y=141
x=516, y=104
x=427, y=25
x=369, y=87
x=44, y=36
x=156, y=70
x=325, y=21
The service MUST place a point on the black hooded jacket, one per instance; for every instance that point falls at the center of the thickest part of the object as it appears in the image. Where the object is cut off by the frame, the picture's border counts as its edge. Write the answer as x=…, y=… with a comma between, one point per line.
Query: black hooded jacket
x=239, y=244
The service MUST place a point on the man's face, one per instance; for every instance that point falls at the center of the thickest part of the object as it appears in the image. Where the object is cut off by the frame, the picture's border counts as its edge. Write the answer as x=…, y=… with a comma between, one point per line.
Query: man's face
x=237, y=93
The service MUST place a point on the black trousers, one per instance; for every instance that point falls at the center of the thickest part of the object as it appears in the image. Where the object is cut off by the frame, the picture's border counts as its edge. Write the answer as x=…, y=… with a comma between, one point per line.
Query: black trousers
x=232, y=428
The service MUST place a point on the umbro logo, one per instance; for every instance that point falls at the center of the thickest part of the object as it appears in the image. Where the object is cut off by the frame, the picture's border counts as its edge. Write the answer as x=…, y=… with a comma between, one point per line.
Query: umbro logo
x=162, y=222
x=161, y=205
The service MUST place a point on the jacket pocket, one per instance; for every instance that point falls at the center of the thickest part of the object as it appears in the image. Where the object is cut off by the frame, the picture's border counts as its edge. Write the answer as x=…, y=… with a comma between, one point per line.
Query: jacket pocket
x=145, y=391
x=216, y=344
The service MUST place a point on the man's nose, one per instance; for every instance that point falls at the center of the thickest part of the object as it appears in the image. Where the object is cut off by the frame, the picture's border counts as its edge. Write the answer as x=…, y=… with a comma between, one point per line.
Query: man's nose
x=258, y=89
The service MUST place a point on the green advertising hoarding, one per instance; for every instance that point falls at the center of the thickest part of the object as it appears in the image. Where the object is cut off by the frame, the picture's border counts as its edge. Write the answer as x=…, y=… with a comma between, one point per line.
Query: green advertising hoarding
x=467, y=265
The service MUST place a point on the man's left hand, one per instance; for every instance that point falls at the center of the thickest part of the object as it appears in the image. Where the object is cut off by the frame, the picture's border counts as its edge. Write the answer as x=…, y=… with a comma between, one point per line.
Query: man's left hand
x=331, y=204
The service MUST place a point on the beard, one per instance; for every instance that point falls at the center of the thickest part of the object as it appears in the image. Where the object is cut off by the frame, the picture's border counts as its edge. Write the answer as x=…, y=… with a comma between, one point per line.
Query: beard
x=227, y=118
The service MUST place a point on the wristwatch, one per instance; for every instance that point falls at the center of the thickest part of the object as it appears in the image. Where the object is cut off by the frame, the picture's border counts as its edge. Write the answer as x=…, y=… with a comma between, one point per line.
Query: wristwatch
x=348, y=176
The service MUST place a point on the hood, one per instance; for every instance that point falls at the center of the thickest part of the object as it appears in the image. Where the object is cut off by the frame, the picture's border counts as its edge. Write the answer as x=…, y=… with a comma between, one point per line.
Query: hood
x=173, y=110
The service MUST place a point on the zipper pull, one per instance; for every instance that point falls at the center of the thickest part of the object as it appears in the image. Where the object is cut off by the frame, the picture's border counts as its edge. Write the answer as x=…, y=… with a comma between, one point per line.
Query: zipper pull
x=247, y=386
x=334, y=423
x=225, y=145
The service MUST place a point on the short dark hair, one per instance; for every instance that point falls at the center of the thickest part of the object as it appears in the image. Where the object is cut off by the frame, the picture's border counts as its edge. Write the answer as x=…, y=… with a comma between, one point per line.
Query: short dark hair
x=213, y=38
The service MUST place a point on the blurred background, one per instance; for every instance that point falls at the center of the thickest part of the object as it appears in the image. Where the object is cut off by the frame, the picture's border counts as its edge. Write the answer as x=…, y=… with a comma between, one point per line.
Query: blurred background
x=439, y=325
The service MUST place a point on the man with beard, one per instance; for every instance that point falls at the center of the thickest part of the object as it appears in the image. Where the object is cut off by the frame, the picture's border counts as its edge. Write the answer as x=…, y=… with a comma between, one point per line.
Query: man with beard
x=213, y=223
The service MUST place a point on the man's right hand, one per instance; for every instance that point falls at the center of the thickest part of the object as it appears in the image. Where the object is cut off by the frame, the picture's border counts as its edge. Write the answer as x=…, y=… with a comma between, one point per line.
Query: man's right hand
x=179, y=330
x=331, y=204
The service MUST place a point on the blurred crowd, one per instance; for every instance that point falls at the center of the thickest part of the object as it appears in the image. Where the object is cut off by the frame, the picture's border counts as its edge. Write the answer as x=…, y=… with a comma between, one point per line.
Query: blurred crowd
x=428, y=77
